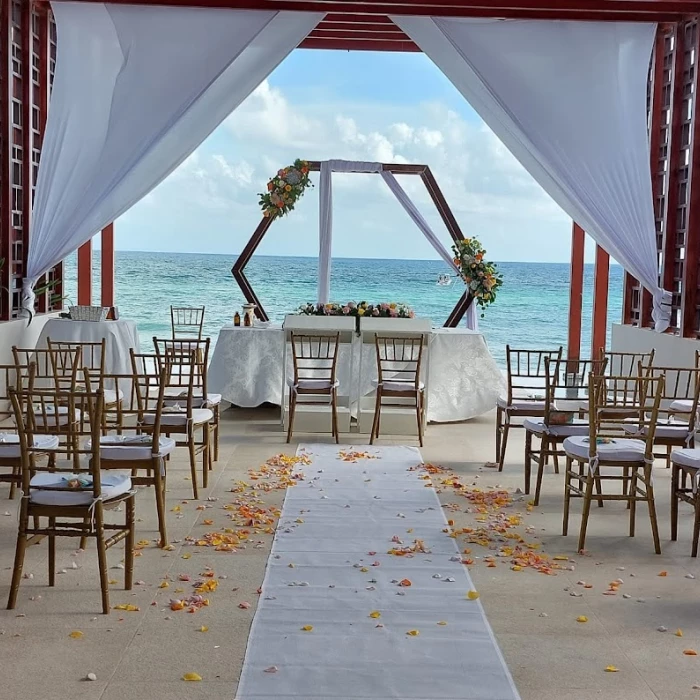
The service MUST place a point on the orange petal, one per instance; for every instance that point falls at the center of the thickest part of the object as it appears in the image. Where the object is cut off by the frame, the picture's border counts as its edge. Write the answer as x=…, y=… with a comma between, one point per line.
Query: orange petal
x=690, y=652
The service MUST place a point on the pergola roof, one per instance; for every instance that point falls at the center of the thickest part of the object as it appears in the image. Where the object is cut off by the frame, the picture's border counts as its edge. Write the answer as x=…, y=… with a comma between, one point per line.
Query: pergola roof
x=366, y=26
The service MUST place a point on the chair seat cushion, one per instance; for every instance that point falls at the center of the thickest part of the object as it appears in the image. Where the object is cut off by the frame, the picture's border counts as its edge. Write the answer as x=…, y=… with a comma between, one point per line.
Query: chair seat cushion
x=664, y=429
x=686, y=458
x=618, y=450
x=177, y=416
x=681, y=406
x=9, y=444
x=312, y=384
x=180, y=393
x=112, y=396
x=523, y=404
x=113, y=484
x=398, y=385
x=133, y=447
x=48, y=415
x=537, y=426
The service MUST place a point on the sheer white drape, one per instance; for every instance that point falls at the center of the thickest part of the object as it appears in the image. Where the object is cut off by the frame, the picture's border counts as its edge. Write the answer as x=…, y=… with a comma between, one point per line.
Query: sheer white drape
x=569, y=100
x=326, y=222
x=136, y=90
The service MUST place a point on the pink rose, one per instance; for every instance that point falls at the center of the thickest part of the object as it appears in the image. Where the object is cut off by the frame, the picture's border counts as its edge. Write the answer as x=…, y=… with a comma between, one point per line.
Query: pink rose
x=375, y=312
x=346, y=309
x=393, y=313
x=411, y=314
x=384, y=306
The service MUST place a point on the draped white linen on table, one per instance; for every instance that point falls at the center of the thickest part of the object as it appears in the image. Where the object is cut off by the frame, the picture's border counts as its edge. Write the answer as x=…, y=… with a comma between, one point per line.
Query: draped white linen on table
x=326, y=222
x=136, y=90
x=569, y=100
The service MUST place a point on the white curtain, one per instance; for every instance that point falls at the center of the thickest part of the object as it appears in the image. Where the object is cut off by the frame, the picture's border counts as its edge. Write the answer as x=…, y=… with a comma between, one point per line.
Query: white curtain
x=326, y=222
x=136, y=90
x=569, y=100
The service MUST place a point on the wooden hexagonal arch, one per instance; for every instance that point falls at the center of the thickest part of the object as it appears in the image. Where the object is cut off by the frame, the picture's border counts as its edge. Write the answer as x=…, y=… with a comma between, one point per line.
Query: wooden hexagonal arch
x=238, y=269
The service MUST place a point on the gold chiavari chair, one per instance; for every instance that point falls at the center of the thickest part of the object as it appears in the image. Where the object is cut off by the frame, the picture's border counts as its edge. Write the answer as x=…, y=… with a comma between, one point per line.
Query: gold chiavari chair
x=566, y=385
x=398, y=378
x=182, y=415
x=315, y=359
x=140, y=447
x=92, y=357
x=72, y=494
x=525, y=394
x=675, y=429
x=177, y=386
x=610, y=454
x=187, y=322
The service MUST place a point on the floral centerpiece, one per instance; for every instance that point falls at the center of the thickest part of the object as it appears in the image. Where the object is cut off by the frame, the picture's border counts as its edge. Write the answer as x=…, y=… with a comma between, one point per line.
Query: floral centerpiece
x=351, y=308
x=481, y=277
x=284, y=189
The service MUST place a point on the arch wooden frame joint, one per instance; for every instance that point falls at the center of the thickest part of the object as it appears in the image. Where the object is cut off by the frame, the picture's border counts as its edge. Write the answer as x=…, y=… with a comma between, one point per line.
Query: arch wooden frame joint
x=425, y=174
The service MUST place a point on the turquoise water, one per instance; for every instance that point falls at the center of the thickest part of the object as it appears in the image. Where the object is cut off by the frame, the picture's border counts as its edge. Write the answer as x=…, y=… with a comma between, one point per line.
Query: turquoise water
x=532, y=308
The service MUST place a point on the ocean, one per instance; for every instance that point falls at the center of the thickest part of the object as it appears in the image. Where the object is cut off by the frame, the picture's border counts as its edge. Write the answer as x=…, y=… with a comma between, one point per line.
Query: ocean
x=531, y=311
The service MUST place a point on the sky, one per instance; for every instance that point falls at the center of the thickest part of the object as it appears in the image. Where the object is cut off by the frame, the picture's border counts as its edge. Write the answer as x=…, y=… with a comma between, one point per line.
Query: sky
x=388, y=107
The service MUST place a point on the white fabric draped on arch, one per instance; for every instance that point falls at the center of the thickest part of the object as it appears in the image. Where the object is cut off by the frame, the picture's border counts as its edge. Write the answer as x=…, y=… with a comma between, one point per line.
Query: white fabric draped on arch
x=569, y=100
x=136, y=90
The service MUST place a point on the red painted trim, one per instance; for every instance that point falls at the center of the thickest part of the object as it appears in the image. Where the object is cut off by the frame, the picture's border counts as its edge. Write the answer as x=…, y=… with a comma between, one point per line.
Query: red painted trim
x=85, y=274
x=586, y=10
x=627, y=307
x=600, y=301
x=578, y=244
x=359, y=45
x=107, y=265
x=27, y=135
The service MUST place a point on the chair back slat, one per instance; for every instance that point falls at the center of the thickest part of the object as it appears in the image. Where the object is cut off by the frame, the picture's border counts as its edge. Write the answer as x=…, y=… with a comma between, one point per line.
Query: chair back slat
x=564, y=375
x=187, y=321
x=680, y=383
x=526, y=369
x=399, y=358
x=315, y=356
x=87, y=355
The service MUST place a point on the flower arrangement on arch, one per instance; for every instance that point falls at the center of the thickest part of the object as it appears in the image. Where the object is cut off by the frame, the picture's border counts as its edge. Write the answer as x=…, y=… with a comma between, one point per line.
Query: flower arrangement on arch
x=481, y=277
x=351, y=308
x=284, y=189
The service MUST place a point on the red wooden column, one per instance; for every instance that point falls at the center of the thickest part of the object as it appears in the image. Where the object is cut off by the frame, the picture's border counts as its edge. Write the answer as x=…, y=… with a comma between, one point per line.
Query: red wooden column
x=6, y=227
x=578, y=244
x=600, y=301
x=107, y=257
x=85, y=274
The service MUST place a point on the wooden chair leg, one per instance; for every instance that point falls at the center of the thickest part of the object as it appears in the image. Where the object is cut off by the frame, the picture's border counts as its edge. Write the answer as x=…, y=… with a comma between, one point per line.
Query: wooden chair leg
x=632, y=503
x=499, y=427
x=555, y=457
x=587, y=497
x=675, y=485
x=419, y=418
x=528, y=460
x=160, y=502
x=130, y=542
x=504, y=444
x=17, y=568
x=102, y=556
x=52, y=553
x=649, y=487
x=544, y=451
x=334, y=416
x=567, y=496
x=205, y=455
x=375, y=420
x=696, y=528
x=193, y=464
x=84, y=540
x=217, y=418
x=292, y=411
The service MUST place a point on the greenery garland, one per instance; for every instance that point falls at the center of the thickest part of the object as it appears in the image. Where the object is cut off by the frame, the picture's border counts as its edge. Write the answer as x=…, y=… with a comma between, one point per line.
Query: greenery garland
x=284, y=189
x=481, y=277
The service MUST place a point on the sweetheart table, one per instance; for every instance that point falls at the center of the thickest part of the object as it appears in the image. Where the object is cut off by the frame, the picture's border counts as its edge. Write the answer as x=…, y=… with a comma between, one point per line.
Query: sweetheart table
x=464, y=381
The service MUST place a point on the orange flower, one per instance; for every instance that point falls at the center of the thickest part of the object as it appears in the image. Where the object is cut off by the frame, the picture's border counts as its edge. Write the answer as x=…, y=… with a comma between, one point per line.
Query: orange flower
x=270, y=187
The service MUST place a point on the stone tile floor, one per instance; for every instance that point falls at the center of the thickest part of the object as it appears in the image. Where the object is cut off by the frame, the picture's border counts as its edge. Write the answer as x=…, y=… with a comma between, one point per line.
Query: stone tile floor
x=144, y=654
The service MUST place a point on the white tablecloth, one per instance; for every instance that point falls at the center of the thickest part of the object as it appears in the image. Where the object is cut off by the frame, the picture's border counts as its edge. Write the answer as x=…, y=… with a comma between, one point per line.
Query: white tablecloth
x=464, y=381
x=119, y=335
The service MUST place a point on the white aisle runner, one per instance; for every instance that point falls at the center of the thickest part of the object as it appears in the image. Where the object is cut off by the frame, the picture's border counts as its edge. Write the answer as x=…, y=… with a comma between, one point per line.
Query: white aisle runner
x=330, y=570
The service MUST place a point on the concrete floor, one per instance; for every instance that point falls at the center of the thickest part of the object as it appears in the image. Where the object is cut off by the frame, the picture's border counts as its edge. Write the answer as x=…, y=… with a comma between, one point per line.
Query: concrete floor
x=144, y=654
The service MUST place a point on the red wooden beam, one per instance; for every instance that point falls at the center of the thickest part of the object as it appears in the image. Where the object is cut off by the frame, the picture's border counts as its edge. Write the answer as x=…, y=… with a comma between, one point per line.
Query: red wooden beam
x=107, y=266
x=358, y=35
x=345, y=28
x=629, y=283
x=85, y=274
x=6, y=228
x=689, y=286
x=593, y=10
x=578, y=244
x=600, y=301
x=27, y=134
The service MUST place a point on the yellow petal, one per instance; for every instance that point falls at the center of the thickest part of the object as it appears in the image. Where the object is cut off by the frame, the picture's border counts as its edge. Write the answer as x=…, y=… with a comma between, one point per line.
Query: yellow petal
x=375, y=614
x=472, y=595
x=581, y=618
x=612, y=669
x=561, y=557
x=176, y=509
x=186, y=555
x=442, y=623
x=127, y=606
x=169, y=547
x=413, y=633
x=142, y=543
x=113, y=582
x=191, y=677
x=679, y=632
x=307, y=628
x=516, y=567
x=164, y=584
x=203, y=628
x=76, y=634
x=364, y=569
